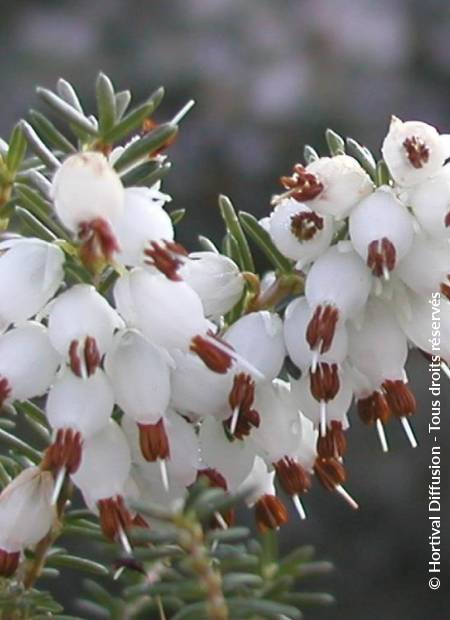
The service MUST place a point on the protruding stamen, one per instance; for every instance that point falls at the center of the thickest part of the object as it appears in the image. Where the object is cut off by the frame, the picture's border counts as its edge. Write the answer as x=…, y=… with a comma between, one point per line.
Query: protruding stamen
x=115, y=519
x=182, y=113
x=299, y=507
x=124, y=541
x=399, y=397
x=408, y=431
x=234, y=420
x=164, y=474
x=64, y=453
x=294, y=479
x=84, y=360
x=220, y=520
x=240, y=399
x=216, y=356
x=324, y=382
x=333, y=443
x=346, y=495
x=306, y=224
x=323, y=418
x=301, y=185
x=445, y=369
x=382, y=435
x=374, y=407
x=99, y=243
x=167, y=257
x=59, y=481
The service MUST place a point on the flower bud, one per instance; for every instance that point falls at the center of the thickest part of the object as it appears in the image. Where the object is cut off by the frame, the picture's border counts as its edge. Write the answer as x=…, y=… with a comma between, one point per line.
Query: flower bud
x=86, y=188
x=216, y=279
x=140, y=375
x=381, y=231
x=142, y=221
x=31, y=271
x=28, y=362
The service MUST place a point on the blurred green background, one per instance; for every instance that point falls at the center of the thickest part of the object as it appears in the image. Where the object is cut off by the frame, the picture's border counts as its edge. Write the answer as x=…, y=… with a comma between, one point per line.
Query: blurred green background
x=269, y=76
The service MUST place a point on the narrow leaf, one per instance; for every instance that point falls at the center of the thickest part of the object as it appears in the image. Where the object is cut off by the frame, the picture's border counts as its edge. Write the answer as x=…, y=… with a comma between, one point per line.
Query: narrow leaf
x=106, y=103
x=262, y=239
x=67, y=111
x=177, y=215
x=77, y=563
x=122, y=102
x=17, y=149
x=67, y=92
x=310, y=154
x=336, y=144
x=146, y=146
x=38, y=147
x=49, y=133
x=363, y=156
x=134, y=119
x=19, y=445
x=234, y=227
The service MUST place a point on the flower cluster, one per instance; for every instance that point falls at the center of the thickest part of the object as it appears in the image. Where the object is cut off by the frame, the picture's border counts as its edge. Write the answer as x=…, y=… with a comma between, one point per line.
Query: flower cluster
x=191, y=366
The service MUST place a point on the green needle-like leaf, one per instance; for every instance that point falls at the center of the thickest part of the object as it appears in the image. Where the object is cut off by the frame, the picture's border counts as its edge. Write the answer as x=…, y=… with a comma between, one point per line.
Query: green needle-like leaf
x=77, y=563
x=67, y=111
x=146, y=146
x=134, y=119
x=106, y=103
x=235, y=229
x=336, y=144
x=17, y=149
x=49, y=133
x=262, y=239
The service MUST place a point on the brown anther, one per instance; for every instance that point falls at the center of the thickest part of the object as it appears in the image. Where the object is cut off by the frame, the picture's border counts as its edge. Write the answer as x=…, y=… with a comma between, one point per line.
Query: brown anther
x=165, y=257
x=334, y=443
x=399, y=397
x=324, y=382
x=130, y=564
x=372, y=408
x=445, y=288
x=139, y=521
x=330, y=472
x=98, y=243
x=381, y=256
x=149, y=125
x=321, y=328
x=153, y=441
x=91, y=357
x=213, y=477
x=417, y=151
x=270, y=513
x=294, y=479
x=114, y=517
x=64, y=452
x=302, y=185
x=5, y=390
x=241, y=397
x=8, y=563
x=305, y=225
x=447, y=220
x=214, y=357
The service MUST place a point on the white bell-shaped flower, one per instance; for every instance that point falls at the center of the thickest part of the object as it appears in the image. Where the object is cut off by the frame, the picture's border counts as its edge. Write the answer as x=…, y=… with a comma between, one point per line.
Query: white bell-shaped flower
x=151, y=489
x=216, y=279
x=381, y=230
x=140, y=375
x=26, y=513
x=298, y=232
x=333, y=410
x=81, y=324
x=344, y=183
x=279, y=431
x=186, y=397
x=296, y=320
x=169, y=313
x=86, y=188
x=258, y=338
x=413, y=151
x=31, y=271
x=337, y=287
x=83, y=405
x=105, y=463
x=182, y=463
x=28, y=362
x=232, y=459
x=430, y=202
x=377, y=345
x=270, y=512
x=426, y=267
x=142, y=221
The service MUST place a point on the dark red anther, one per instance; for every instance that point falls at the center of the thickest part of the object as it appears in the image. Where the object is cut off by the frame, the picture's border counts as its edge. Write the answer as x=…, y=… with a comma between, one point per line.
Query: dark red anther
x=306, y=224
x=400, y=398
x=241, y=398
x=91, y=357
x=270, y=513
x=447, y=220
x=372, y=408
x=215, y=480
x=64, y=452
x=213, y=356
x=5, y=390
x=294, y=479
x=114, y=517
x=153, y=441
x=98, y=243
x=166, y=257
x=8, y=563
x=322, y=327
x=330, y=472
x=302, y=185
x=381, y=256
x=417, y=151
x=334, y=443
x=324, y=382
